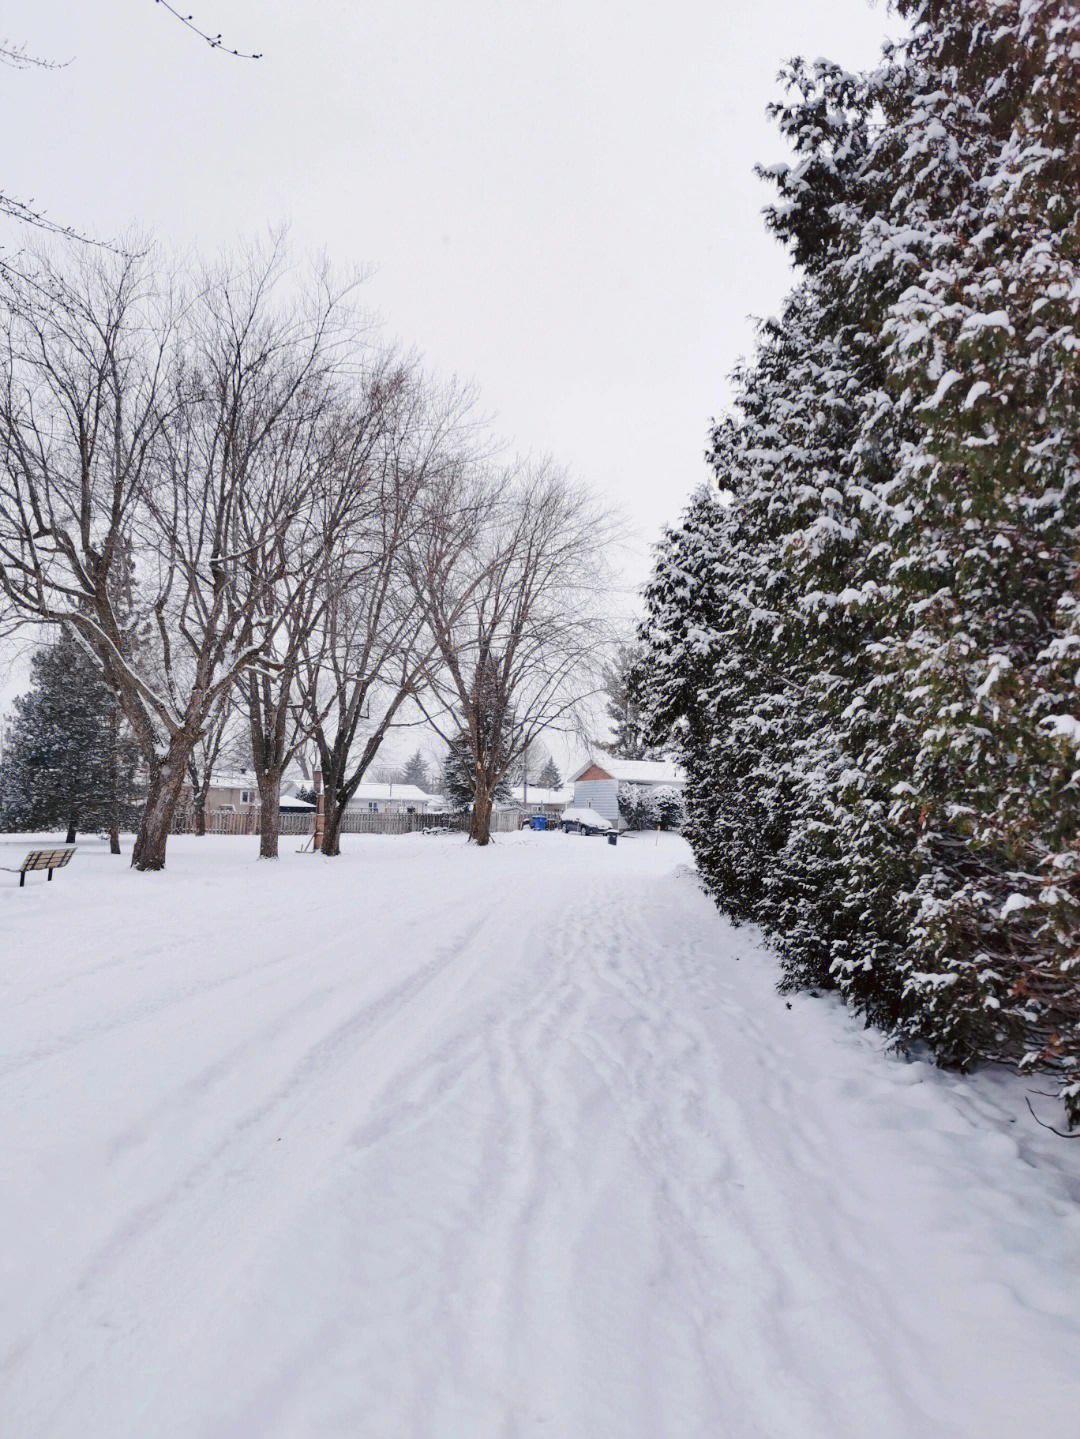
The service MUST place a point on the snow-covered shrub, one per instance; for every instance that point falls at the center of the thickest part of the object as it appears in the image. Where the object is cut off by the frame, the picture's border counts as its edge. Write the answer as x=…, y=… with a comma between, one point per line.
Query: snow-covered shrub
x=668, y=805
x=636, y=806
x=645, y=806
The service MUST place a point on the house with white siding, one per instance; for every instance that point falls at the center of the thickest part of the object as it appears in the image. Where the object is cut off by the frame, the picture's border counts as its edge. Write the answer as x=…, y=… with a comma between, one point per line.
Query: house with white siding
x=392, y=798
x=535, y=799
x=596, y=784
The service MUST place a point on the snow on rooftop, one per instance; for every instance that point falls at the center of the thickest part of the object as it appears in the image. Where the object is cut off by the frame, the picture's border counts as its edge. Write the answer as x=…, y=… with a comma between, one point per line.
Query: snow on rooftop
x=636, y=771
x=536, y=794
x=377, y=790
x=233, y=779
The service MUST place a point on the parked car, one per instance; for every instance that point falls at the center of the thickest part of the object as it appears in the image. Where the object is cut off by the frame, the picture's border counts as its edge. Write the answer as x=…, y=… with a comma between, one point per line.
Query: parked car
x=584, y=821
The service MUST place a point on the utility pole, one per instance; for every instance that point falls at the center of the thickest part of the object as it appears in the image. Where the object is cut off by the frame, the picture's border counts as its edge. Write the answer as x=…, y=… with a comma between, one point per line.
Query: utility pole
x=320, y=813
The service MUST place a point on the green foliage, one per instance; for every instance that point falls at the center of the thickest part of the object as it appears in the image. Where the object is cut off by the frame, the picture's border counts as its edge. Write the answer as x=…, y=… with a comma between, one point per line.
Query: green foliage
x=650, y=807
x=485, y=747
x=459, y=773
x=415, y=771
x=67, y=763
x=626, y=708
x=864, y=640
x=549, y=777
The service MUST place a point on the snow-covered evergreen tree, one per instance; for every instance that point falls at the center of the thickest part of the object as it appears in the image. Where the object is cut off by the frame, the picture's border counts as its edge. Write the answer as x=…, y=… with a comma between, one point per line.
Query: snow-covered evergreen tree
x=984, y=517
x=458, y=772
x=864, y=638
x=636, y=807
x=644, y=806
x=67, y=762
x=483, y=748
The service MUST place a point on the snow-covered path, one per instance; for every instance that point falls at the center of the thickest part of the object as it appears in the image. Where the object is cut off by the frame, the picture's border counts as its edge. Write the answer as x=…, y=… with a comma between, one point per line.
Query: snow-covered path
x=440, y=1143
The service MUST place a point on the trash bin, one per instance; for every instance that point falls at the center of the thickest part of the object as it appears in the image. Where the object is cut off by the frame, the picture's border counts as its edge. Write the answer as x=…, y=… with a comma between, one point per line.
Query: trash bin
x=613, y=838
x=538, y=821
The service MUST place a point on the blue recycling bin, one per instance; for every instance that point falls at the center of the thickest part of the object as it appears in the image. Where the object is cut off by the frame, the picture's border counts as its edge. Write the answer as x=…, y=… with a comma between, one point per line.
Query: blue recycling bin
x=538, y=821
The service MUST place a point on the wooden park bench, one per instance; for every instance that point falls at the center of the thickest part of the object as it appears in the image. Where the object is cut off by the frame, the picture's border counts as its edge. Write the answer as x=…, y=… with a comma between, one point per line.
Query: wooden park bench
x=49, y=859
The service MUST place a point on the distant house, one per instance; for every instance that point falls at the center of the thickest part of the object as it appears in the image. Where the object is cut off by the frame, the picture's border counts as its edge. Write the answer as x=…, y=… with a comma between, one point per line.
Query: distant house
x=596, y=784
x=533, y=799
x=230, y=792
x=377, y=798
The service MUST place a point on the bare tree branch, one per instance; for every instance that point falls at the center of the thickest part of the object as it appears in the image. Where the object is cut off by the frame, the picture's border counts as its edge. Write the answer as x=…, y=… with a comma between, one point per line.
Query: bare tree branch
x=214, y=41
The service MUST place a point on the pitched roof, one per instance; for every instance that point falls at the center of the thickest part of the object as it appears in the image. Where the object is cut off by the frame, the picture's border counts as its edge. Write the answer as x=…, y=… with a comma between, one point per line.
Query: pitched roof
x=233, y=779
x=536, y=794
x=408, y=792
x=635, y=771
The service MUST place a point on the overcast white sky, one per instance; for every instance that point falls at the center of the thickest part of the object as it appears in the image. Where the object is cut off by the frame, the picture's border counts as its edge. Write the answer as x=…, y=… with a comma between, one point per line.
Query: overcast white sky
x=556, y=198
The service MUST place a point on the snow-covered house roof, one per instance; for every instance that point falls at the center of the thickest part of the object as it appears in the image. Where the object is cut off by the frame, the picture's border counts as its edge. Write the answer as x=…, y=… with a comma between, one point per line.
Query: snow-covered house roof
x=407, y=793
x=232, y=779
x=536, y=794
x=632, y=771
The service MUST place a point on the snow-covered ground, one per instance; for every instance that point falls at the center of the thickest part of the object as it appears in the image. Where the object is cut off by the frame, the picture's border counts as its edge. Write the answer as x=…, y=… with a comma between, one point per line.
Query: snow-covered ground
x=431, y=1141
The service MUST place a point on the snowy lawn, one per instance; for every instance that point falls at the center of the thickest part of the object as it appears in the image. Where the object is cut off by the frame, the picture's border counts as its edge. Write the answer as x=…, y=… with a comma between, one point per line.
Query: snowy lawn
x=427, y=1141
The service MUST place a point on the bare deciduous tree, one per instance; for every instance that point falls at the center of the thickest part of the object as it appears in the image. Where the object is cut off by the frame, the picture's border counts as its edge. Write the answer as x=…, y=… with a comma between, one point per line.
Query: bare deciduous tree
x=204, y=758
x=136, y=424
x=16, y=56
x=371, y=651
x=519, y=623
x=343, y=449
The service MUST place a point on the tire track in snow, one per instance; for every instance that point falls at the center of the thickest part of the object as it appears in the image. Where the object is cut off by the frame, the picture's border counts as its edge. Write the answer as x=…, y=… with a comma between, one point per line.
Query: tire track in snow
x=569, y=1174
x=232, y=1152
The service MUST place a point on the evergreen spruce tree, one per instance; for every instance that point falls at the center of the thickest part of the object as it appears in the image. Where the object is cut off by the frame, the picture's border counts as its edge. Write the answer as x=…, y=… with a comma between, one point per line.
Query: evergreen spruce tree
x=626, y=706
x=549, y=777
x=415, y=771
x=484, y=748
x=458, y=772
x=66, y=762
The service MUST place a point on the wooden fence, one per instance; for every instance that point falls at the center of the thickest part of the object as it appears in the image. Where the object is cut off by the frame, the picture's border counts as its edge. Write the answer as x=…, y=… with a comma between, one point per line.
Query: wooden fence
x=355, y=822
x=359, y=822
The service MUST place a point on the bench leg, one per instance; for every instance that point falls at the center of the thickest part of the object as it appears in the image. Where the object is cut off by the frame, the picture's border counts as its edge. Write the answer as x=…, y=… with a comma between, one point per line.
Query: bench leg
x=50, y=874
x=22, y=878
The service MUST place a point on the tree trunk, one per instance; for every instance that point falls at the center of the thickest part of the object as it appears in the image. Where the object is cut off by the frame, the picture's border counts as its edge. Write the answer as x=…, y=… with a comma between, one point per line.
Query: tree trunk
x=161, y=800
x=200, y=813
x=335, y=813
x=480, y=822
x=114, y=776
x=72, y=821
x=270, y=814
